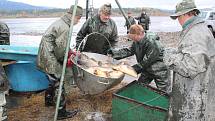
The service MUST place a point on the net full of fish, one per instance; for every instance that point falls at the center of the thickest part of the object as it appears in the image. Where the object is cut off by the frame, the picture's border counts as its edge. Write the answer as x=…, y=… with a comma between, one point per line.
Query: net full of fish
x=107, y=68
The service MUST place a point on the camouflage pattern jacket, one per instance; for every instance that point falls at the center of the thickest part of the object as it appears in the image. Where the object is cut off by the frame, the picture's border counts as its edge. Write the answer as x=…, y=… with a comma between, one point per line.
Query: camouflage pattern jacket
x=52, y=47
x=4, y=34
x=94, y=24
x=194, y=65
x=148, y=52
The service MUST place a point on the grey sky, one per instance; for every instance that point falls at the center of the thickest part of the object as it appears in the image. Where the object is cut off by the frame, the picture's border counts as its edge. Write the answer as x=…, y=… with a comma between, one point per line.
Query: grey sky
x=162, y=4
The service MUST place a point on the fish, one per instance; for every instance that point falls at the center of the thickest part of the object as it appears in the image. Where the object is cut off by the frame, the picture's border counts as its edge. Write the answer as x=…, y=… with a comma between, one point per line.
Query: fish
x=126, y=69
x=105, y=72
x=122, y=66
x=116, y=74
x=108, y=69
x=86, y=61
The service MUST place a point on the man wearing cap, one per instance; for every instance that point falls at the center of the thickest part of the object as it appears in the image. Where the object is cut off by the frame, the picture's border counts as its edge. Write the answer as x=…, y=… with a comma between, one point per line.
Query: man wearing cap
x=131, y=20
x=100, y=23
x=50, y=59
x=149, y=54
x=193, y=63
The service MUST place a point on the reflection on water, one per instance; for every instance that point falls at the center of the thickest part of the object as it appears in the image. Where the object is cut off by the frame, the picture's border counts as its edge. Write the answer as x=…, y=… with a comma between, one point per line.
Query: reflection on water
x=28, y=31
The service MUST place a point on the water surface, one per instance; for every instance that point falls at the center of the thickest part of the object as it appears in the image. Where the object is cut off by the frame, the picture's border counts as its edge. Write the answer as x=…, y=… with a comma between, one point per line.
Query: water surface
x=28, y=31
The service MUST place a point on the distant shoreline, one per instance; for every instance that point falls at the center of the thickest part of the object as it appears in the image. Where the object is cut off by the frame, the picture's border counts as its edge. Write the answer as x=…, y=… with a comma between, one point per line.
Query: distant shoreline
x=59, y=12
x=54, y=16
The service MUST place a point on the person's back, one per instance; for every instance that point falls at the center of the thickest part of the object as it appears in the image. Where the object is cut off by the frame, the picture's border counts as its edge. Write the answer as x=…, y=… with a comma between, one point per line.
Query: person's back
x=44, y=59
x=4, y=34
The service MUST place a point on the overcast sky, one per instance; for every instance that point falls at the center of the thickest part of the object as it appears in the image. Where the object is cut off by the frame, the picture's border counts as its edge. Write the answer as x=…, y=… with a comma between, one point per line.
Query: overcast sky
x=162, y=4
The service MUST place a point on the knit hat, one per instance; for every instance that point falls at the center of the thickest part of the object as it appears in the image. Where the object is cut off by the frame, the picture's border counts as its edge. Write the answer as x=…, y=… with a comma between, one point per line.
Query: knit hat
x=106, y=9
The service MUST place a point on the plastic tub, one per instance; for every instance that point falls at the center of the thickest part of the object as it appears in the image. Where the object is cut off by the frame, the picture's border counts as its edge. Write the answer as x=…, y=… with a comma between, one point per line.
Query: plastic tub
x=23, y=77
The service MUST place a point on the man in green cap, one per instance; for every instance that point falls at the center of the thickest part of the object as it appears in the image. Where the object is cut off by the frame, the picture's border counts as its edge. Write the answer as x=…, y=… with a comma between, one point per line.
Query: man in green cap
x=50, y=59
x=193, y=64
x=100, y=23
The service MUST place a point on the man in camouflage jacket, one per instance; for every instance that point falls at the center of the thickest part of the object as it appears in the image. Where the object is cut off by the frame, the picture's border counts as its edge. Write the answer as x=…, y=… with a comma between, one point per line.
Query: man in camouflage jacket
x=193, y=63
x=50, y=58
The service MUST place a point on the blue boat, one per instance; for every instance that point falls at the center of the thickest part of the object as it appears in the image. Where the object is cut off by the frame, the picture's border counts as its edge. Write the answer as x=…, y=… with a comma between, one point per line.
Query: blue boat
x=23, y=75
x=18, y=53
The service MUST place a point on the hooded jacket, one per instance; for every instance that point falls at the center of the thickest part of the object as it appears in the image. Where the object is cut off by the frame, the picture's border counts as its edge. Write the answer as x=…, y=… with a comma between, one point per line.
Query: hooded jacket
x=53, y=45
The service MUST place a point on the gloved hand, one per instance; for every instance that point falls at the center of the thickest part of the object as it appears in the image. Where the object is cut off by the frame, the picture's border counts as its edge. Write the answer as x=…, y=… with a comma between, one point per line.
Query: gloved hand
x=137, y=68
x=110, y=52
x=71, y=55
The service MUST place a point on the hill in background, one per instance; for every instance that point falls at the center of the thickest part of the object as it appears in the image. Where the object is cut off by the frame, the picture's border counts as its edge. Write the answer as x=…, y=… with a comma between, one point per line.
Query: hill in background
x=9, y=9
x=13, y=6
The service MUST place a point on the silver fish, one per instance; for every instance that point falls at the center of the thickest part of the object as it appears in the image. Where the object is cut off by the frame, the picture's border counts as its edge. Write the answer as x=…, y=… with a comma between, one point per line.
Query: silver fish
x=108, y=68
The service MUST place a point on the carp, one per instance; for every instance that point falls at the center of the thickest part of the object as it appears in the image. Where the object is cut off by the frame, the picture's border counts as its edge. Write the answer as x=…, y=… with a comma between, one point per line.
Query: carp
x=86, y=61
x=108, y=69
x=126, y=69
x=104, y=72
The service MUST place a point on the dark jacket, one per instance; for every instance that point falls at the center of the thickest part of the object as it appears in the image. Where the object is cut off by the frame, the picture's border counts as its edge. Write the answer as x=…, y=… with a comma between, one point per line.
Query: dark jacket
x=147, y=51
x=144, y=21
x=94, y=24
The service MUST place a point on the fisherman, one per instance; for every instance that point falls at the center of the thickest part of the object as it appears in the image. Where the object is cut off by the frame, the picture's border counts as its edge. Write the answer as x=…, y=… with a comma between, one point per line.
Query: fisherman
x=4, y=34
x=193, y=63
x=144, y=20
x=101, y=23
x=131, y=20
x=50, y=59
x=149, y=54
x=3, y=89
x=4, y=40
